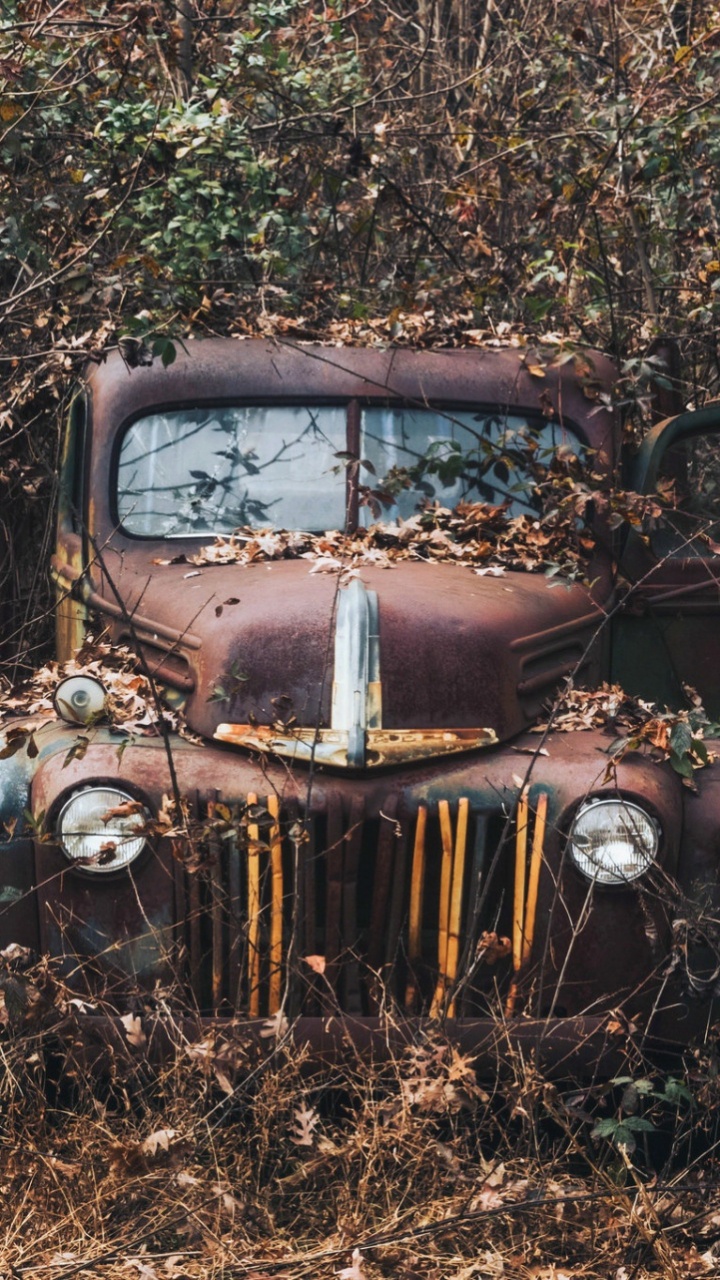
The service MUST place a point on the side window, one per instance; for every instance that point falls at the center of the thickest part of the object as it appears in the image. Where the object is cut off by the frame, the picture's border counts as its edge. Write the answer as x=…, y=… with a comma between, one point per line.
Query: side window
x=689, y=482
x=72, y=470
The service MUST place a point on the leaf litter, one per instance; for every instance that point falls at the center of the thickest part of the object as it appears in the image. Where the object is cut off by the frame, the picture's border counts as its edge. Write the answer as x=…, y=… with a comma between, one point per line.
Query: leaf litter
x=472, y=534
x=679, y=737
x=130, y=706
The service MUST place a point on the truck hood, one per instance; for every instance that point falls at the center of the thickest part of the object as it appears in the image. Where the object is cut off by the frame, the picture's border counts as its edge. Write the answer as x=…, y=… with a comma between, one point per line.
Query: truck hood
x=393, y=664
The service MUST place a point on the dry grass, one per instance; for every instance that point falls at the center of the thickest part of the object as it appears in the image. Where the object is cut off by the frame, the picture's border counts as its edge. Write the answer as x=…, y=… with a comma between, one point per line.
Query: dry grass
x=231, y=1161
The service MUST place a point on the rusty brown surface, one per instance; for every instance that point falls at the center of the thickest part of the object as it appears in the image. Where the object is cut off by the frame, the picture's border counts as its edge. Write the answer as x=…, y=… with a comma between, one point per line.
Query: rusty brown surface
x=343, y=865
x=576, y=963
x=456, y=650
x=226, y=371
x=329, y=746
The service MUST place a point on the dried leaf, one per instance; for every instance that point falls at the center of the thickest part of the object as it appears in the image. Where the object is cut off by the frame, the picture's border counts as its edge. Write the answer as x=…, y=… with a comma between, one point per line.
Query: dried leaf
x=276, y=1027
x=158, y=1141
x=355, y=1270
x=133, y=1030
x=305, y=1121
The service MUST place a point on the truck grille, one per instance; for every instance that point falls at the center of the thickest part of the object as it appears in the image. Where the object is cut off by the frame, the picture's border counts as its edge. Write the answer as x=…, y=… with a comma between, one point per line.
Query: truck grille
x=335, y=910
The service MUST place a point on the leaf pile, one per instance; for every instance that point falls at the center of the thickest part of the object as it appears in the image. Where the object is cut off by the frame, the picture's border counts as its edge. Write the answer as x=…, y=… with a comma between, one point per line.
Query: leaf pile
x=473, y=534
x=129, y=703
x=677, y=736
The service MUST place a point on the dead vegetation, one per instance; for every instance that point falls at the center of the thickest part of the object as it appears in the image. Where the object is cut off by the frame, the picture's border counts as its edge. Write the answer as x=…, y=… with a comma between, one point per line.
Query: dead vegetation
x=230, y=1161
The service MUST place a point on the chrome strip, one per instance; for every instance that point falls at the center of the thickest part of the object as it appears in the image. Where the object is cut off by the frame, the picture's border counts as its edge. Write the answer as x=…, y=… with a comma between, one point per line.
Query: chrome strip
x=357, y=662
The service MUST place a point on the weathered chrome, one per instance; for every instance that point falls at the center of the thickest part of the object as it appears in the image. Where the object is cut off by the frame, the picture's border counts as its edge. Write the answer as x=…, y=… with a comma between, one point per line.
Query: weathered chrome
x=330, y=746
x=352, y=668
x=356, y=738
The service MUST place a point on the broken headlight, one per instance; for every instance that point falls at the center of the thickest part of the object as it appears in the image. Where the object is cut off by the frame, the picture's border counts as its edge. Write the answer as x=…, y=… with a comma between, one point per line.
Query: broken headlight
x=613, y=841
x=102, y=828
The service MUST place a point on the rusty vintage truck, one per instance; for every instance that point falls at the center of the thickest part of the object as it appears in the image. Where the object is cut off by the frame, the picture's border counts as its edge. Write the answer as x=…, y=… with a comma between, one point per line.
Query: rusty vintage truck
x=366, y=835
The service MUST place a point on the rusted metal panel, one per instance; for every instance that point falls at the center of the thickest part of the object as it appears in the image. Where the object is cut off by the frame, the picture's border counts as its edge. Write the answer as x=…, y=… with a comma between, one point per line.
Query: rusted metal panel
x=453, y=654
x=385, y=861
x=573, y=964
x=224, y=371
x=441, y=641
x=330, y=746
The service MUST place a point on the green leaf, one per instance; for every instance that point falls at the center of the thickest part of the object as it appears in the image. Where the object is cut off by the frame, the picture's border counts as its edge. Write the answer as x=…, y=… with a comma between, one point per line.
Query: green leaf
x=681, y=765
x=681, y=738
x=676, y=1091
x=165, y=348
x=605, y=1128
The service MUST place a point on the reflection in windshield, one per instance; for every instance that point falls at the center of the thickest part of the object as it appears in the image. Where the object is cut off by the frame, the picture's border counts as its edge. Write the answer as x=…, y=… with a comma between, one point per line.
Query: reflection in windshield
x=459, y=456
x=211, y=471
x=195, y=472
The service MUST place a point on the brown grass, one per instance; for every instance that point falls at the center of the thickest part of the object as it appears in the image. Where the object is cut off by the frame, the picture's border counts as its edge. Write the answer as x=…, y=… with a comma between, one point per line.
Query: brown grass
x=227, y=1161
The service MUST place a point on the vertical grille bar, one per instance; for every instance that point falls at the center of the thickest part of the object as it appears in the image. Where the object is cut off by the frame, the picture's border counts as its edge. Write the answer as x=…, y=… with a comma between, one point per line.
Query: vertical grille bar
x=253, y=868
x=444, y=905
x=397, y=901
x=295, y=846
x=216, y=909
x=351, y=863
x=473, y=911
x=194, y=933
x=417, y=893
x=181, y=917
x=382, y=886
x=456, y=896
x=276, y=907
x=308, y=855
x=217, y=895
x=234, y=922
x=334, y=860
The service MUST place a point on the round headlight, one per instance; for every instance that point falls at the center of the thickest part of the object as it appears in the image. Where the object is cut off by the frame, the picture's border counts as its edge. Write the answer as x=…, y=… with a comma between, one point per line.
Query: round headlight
x=101, y=828
x=80, y=699
x=613, y=841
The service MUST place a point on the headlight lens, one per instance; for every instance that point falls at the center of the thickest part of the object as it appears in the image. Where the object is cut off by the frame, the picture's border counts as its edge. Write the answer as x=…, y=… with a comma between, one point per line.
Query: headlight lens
x=101, y=828
x=80, y=699
x=613, y=841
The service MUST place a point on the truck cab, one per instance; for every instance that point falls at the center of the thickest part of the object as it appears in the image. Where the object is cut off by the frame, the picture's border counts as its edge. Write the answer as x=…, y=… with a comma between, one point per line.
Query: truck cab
x=341, y=818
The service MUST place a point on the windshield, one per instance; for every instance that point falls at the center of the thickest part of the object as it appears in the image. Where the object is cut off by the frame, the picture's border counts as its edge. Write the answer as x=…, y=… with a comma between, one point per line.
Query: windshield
x=211, y=471
x=194, y=472
x=457, y=456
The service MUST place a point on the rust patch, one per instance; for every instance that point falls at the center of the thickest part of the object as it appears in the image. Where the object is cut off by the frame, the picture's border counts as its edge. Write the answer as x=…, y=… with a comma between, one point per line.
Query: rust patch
x=330, y=746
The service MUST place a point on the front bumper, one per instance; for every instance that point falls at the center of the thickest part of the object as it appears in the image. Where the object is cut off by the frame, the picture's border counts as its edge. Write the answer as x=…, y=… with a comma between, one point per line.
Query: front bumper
x=581, y=1048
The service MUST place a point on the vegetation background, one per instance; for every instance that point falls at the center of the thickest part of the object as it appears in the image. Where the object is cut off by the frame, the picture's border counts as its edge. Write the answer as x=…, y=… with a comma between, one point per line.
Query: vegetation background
x=423, y=171
x=435, y=172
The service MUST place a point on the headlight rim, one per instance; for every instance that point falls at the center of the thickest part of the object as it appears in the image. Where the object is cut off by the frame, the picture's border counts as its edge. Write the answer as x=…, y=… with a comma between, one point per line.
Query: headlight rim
x=634, y=801
x=129, y=792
